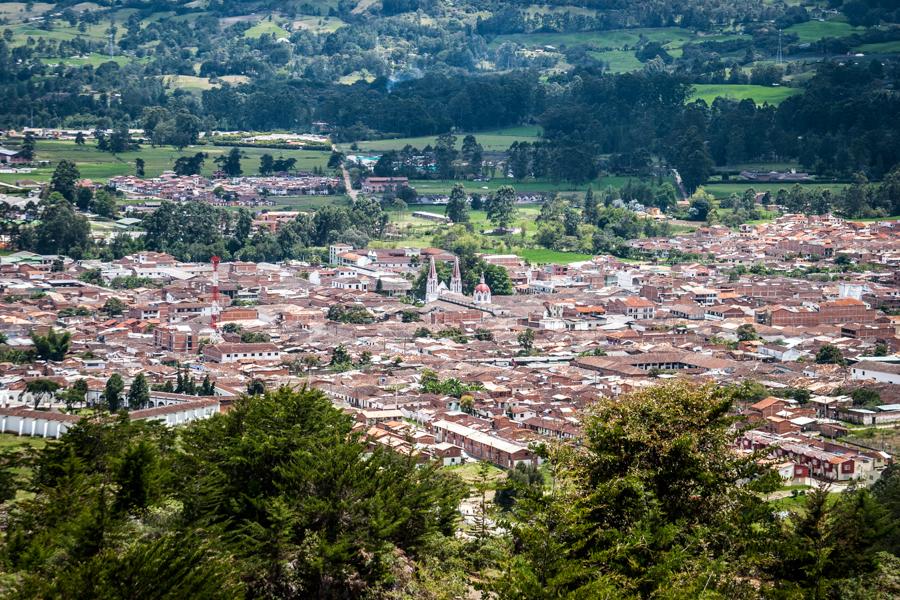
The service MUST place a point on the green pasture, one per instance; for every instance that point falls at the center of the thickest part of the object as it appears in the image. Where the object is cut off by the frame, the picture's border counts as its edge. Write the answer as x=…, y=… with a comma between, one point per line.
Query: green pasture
x=618, y=61
x=539, y=256
x=266, y=27
x=760, y=94
x=880, y=48
x=813, y=31
x=723, y=190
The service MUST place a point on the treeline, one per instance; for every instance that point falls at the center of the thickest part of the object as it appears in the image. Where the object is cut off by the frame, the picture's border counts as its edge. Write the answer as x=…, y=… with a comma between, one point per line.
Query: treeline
x=196, y=231
x=861, y=199
x=137, y=510
x=653, y=502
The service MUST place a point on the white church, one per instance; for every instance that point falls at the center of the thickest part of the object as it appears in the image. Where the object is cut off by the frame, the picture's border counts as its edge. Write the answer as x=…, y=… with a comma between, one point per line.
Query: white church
x=436, y=290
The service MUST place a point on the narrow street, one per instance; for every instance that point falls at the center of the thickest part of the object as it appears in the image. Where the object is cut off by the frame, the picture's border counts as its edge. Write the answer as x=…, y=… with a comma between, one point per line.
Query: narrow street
x=350, y=191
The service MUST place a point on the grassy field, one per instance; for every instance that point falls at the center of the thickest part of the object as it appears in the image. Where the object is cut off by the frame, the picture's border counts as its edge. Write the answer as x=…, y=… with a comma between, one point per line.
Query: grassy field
x=758, y=93
x=415, y=232
x=618, y=61
x=8, y=440
x=318, y=24
x=94, y=60
x=539, y=256
x=266, y=27
x=723, y=190
x=197, y=85
x=94, y=164
x=19, y=11
x=880, y=48
x=495, y=140
x=813, y=31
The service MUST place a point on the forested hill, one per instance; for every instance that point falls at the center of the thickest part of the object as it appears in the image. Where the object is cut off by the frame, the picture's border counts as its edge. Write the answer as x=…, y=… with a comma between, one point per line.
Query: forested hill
x=615, y=84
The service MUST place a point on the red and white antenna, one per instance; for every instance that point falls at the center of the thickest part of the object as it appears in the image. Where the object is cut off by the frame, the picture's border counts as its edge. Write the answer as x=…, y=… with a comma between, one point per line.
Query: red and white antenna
x=214, y=314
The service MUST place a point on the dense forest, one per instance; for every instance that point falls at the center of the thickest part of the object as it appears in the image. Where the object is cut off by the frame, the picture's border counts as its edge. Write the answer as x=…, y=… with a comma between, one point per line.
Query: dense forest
x=443, y=73
x=278, y=498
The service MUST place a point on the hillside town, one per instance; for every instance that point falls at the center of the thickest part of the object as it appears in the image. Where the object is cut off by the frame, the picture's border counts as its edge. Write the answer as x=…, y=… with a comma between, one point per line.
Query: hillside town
x=481, y=376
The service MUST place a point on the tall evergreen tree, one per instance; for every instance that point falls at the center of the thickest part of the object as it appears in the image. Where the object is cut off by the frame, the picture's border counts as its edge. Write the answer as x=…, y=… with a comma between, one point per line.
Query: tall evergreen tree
x=458, y=205
x=139, y=393
x=589, y=213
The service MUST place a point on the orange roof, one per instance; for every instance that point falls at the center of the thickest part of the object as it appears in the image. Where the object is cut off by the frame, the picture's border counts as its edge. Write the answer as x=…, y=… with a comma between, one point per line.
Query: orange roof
x=846, y=302
x=766, y=403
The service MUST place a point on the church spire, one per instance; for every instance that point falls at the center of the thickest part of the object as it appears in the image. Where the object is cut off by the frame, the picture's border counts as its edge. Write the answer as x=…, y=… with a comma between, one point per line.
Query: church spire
x=431, y=285
x=456, y=280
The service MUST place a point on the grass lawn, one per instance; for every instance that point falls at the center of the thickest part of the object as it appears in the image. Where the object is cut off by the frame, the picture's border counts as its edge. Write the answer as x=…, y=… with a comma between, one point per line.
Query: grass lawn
x=758, y=93
x=796, y=504
x=813, y=31
x=496, y=140
x=94, y=164
x=9, y=440
x=879, y=48
x=469, y=472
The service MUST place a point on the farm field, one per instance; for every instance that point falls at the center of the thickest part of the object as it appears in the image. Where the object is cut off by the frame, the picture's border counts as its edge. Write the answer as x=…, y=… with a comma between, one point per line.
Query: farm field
x=94, y=164
x=813, y=31
x=496, y=140
x=618, y=61
x=760, y=94
x=266, y=27
x=880, y=48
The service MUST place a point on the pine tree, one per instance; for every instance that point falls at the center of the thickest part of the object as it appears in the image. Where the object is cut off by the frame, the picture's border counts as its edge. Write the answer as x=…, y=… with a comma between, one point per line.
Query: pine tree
x=113, y=392
x=207, y=388
x=139, y=393
x=589, y=214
